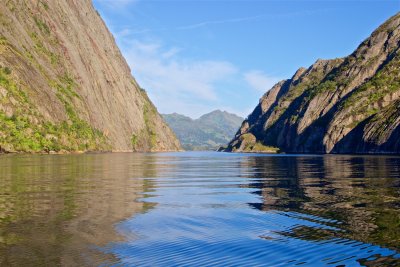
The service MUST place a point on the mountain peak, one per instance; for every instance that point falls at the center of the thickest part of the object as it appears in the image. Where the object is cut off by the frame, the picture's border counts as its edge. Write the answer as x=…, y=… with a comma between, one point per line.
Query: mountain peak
x=208, y=132
x=344, y=105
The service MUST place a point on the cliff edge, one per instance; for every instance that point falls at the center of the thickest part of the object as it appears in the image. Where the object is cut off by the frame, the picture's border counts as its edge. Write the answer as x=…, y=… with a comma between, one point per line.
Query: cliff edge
x=345, y=105
x=64, y=85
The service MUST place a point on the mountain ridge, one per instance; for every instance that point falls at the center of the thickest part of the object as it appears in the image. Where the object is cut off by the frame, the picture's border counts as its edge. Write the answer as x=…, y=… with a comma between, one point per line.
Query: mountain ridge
x=344, y=105
x=207, y=132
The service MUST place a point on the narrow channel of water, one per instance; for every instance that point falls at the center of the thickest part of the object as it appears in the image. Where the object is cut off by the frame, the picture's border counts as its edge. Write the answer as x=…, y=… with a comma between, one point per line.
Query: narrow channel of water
x=199, y=209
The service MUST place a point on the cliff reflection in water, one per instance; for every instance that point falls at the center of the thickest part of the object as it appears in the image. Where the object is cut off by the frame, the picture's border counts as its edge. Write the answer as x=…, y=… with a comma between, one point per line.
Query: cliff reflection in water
x=362, y=193
x=218, y=209
x=56, y=210
x=199, y=209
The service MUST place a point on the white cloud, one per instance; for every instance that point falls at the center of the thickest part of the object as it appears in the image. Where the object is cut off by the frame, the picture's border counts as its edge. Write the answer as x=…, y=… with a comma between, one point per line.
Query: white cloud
x=164, y=74
x=192, y=87
x=260, y=81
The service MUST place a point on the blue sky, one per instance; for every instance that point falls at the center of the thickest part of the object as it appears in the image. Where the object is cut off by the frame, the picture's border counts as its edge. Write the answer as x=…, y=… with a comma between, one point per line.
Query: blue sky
x=193, y=57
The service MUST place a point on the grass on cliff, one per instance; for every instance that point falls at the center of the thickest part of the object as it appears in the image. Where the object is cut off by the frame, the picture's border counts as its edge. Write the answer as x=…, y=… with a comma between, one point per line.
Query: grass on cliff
x=146, y=138
x=75, y=127
x=364, y=99
x=41, y=25
x=252, y=145
x=22, y=127
x=25, y=130
x=310, y=83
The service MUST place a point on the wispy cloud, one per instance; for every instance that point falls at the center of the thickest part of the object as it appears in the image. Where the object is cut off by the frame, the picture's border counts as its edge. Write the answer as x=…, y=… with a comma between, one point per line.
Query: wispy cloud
x=260, y=81
x=172, y=78
x=214, y=22
x=198, y=25
x=116, y=4
x=227, y=21
x=191, y=87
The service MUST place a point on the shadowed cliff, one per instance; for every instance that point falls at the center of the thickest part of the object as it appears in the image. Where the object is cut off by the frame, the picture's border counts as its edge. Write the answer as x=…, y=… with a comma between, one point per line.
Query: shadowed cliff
x=346, y=105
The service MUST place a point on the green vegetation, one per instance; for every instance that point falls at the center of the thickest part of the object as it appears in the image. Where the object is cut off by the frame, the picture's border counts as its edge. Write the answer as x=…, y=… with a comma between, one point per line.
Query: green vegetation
x=382, y=119
x=361, y=101
x=149, y=113
x=53, y=58
x=146, y=138
x=76, y=128
x=7, y=83
x=294, y=118
x=327, y=86
x=280, y=109
x=347, y=105
x=7, y=71
x=22, y=131
x=65, y=89
x=310, y=84
x=41, y=25
x=134, y=140
x=252, y=145
x=259, y=147
x=3, y=40
x=22, y=128
x=19, y=134
x=11, y=5
x=45, y=5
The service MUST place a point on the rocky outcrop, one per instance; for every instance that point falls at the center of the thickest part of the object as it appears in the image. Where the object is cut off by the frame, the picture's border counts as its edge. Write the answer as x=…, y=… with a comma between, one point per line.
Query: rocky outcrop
x=348, y=105
x=64, y=84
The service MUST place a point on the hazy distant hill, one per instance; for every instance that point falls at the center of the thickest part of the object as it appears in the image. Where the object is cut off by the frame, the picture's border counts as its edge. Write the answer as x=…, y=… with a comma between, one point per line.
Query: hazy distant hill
x=205, y=133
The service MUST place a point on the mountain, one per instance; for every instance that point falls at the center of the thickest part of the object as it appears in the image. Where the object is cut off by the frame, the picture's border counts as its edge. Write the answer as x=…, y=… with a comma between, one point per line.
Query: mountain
x=345, y=105
x=64, y=85
x=205, y=133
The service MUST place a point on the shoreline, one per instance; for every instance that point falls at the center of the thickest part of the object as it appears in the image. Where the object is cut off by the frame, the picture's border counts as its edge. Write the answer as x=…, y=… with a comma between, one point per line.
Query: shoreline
x=81, y=152
x=2, y=153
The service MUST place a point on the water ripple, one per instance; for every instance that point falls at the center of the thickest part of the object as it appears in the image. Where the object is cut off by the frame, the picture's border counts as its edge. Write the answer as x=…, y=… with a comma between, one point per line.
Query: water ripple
x=199, y=209
x=265, y=211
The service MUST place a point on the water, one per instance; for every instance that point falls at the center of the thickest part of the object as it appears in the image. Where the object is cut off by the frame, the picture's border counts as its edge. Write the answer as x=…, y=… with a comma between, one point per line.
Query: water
x=199, y=209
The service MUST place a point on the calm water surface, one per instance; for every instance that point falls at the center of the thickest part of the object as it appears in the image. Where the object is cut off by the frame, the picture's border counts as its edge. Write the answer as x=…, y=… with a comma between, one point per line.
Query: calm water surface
x=199, y=209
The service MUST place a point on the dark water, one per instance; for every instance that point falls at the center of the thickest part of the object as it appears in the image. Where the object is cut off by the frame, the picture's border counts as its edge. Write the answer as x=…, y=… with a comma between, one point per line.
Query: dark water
x=199, y=209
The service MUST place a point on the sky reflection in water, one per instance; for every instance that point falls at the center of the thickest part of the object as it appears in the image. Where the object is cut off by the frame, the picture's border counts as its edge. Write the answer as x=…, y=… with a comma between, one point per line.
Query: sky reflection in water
x=199, y=209
x=236, y=210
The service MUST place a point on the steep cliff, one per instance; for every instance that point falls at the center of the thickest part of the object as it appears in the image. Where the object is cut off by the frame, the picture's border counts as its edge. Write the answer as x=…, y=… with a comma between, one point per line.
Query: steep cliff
x=348, y=105
x=64, y=84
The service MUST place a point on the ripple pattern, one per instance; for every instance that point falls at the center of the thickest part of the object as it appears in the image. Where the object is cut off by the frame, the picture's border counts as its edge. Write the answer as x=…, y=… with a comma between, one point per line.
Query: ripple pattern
x=214, y=209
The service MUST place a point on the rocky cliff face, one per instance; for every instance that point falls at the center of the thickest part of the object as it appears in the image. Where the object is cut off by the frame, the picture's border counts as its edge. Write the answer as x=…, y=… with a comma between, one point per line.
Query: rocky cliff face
x=64, y=84
x=348, y=105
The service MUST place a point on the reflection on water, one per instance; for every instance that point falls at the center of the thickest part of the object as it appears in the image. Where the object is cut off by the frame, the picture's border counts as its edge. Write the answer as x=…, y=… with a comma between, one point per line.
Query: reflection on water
x=199, y=209
x=55, y=210
x=363, y=193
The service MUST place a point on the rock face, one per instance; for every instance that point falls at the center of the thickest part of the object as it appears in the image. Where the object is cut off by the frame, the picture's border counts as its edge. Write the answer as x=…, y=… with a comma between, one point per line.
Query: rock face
x=208, y=132
x=348, y=105
x=64, y=84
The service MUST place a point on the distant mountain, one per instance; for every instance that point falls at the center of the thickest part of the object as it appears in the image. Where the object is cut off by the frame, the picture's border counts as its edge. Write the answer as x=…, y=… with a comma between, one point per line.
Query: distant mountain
x=208, y=132
x=346, y=105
